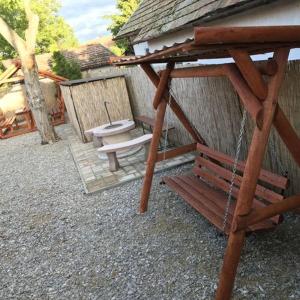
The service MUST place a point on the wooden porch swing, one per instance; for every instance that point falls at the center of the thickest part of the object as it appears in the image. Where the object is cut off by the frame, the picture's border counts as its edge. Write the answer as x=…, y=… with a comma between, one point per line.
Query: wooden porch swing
x=257, y=206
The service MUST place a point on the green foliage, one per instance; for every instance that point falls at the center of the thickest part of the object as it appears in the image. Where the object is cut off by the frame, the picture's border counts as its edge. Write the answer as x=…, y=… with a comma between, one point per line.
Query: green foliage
x=117, y=50
x=126, y=8
x=67, y=68
x=54, y=33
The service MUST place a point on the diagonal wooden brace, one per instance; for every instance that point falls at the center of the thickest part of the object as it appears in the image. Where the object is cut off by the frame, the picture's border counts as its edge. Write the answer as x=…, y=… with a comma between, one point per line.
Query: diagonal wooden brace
x=258, y=215
x=250, y=73
x=251, y=103
x=153, y=76
x=163, y=84
x=287, y=134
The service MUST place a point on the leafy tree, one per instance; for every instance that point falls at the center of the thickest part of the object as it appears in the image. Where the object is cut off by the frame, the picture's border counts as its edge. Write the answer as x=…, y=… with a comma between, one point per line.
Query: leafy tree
x=25, y=44
x=53, y=34
x=67, y=68
x=126, y=9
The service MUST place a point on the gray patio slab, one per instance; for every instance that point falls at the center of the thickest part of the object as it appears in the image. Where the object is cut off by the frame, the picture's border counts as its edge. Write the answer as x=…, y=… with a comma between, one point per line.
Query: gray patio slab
x=95, y=174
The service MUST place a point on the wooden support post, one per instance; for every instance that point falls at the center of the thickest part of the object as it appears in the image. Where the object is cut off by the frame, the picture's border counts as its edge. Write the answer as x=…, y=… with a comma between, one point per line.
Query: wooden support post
x=163, y=84
x=159, y=121
x=252, y=169
x=174, y=105
x=250, y=73
x=251, y=103
x=287, y=134
x=267, y=212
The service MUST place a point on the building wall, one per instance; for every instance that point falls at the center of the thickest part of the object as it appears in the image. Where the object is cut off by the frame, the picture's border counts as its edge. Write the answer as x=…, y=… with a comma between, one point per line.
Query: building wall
x=286, y=12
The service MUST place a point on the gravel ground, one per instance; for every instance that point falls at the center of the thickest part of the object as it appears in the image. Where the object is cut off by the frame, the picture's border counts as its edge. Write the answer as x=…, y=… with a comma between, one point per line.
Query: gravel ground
x=57, y=243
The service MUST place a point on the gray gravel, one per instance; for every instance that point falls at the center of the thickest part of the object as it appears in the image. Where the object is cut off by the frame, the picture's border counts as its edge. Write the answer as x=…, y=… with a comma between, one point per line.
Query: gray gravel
x=57, y=243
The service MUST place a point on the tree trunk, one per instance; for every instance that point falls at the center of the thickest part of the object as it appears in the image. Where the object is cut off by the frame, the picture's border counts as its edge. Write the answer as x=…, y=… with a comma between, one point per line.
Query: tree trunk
x=37, y=101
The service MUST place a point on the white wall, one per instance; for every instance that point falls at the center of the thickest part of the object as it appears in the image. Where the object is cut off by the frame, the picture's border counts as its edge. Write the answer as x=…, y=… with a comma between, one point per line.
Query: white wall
x=284, y=12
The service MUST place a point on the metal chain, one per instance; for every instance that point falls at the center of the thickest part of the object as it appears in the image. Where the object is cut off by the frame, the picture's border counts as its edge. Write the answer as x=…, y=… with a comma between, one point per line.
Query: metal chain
x=168, y=120
x=234, y=168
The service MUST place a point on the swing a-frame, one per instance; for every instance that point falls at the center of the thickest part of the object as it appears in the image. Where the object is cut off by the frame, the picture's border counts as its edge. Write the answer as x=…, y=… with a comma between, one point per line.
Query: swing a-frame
x=257, y=84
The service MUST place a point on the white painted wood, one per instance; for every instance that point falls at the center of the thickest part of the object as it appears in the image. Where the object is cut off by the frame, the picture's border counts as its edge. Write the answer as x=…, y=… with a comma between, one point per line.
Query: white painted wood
x=144, y=139
x=284, y=12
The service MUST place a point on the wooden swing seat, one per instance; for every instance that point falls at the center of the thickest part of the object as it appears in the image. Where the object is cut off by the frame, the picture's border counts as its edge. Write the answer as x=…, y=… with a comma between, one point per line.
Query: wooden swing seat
x=206, y=190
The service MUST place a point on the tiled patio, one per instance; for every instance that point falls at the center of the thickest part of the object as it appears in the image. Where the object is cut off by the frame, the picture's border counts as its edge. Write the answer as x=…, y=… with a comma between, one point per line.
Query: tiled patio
x=94, y=171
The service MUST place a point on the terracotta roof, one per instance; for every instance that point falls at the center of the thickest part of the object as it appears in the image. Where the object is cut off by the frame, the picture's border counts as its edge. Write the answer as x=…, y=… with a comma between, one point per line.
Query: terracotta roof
x=90, y=56
x=154, y=18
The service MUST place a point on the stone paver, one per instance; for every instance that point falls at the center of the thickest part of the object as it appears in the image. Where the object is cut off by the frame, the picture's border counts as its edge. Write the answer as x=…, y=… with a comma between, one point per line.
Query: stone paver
x=94, y=171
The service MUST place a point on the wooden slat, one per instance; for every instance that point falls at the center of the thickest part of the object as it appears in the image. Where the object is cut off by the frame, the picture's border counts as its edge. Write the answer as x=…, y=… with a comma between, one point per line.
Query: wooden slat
x=266, y=176
x=260, y=191
x=196, y=203
x=208, y=202
x=224, y=185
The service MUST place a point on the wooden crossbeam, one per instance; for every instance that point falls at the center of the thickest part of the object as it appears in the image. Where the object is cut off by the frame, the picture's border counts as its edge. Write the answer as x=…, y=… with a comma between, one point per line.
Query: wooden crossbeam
x=201, y=71
x=258, y=215
x=176, y=152
x=250, y=73
x=287, y=134
x=268, y=67
x=247, y=35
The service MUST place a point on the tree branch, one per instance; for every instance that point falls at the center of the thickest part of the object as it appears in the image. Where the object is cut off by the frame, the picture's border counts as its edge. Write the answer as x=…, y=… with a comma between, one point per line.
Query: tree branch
x=33, y=25
x=12, y=37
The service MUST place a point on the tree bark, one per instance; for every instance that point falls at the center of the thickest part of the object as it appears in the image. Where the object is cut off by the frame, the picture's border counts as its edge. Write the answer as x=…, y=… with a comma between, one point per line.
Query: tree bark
x=25, y=49
x=36, y=100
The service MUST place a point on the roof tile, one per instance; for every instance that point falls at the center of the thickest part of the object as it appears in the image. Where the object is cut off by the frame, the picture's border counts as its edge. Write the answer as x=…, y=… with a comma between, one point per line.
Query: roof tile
x=154, y=18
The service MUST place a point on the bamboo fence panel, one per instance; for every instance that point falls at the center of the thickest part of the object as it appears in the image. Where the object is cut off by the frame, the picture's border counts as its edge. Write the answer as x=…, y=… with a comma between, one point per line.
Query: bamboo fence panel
x=66, y=92
x=88, y=102
x=214, y=109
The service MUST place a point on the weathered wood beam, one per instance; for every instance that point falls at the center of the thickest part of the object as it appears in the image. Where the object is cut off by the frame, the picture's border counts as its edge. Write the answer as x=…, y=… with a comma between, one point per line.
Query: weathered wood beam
x=247, y=35
x=12, y=37
x=268, y=67
x=163, y=84
x=250, y=73
x=201, y=71
x=251, y=174
x=287, y=134
x=176, y=152
x=258, y=215
x=251, y=103
x=174, y=105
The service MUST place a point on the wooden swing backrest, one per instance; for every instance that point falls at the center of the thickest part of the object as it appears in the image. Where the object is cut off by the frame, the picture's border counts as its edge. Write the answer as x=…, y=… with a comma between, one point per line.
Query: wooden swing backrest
x=216, y=168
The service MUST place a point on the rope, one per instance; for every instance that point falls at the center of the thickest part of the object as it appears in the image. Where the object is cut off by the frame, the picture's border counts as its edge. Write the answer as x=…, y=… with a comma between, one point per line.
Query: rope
x=234, y=168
